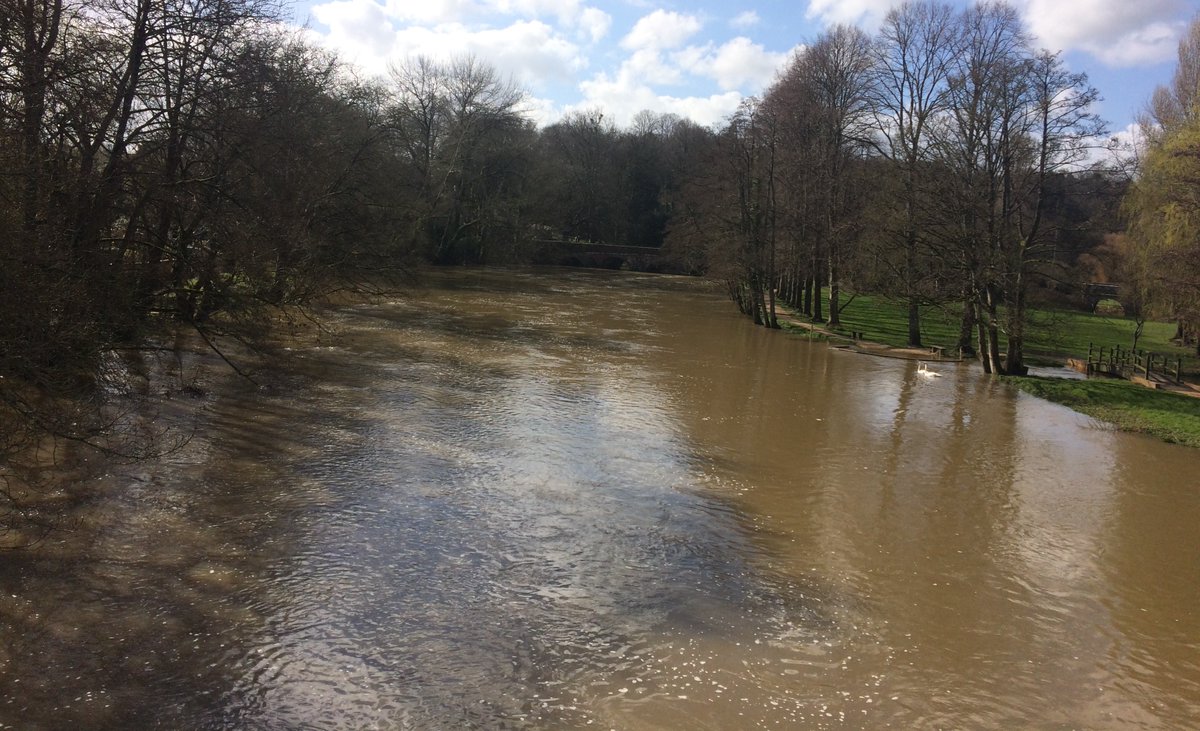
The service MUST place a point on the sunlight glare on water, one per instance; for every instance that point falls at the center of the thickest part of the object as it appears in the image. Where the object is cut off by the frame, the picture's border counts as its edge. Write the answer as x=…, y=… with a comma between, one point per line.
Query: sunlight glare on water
x=555, y=500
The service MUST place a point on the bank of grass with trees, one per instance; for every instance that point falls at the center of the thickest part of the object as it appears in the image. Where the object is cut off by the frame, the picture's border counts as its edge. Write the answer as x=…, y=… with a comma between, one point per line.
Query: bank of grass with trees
x=942, y=183
x=942, y=163
x=194, y=166
x=1054, y=335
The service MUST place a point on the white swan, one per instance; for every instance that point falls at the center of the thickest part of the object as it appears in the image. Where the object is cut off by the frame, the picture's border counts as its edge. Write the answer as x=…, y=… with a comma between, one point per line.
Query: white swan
x=923, y=369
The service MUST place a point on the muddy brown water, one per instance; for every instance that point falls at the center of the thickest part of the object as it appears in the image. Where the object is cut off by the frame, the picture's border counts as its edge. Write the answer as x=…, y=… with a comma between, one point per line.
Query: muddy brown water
x=567, y=500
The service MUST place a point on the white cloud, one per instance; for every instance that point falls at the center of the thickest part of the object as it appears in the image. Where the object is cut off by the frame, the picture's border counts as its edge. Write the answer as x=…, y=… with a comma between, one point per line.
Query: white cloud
x=1154, y=43
x=594, y=23
x=589, y=22
x=535, y=8
x=649, y=67
x=746, y=19
x=428, y=11
x=867, y=13
x=543, y=45
x=1120, y=150
x=1131, y=136
x=661, y=29
x=530, y=50
x=1118, y=32
x=541, y=111
x=362, y=25
x=622, y=98
x=736, y=64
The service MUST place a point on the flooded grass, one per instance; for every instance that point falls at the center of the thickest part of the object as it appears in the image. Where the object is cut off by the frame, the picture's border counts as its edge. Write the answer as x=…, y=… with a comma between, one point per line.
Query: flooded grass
x=1168, y=416
x=1052, y=336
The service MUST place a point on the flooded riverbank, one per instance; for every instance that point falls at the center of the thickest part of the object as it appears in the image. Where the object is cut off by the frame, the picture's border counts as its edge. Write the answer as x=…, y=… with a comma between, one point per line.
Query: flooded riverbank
x=551, y=500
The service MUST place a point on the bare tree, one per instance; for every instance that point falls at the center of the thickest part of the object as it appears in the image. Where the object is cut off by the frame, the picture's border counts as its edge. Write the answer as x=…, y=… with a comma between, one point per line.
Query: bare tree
x=913, y=53
x=450, y=121
x=582, y=176
x=974, y=144
x=823, y=103
x=1061, y=126
x=749, y=212
x=1175, y=105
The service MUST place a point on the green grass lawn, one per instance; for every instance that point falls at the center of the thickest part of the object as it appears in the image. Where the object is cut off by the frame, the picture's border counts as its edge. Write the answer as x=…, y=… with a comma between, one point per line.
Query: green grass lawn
x=1052, y=337
x=883, y=320
x=1168, y=416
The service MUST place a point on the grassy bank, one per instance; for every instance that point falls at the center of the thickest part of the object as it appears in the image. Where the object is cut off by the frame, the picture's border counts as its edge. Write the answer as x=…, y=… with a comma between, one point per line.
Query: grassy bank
x=1168, y=416
x=1052, y=337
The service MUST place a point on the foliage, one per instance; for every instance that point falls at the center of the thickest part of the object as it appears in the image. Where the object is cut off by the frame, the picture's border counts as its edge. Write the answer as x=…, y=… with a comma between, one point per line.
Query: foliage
x=1163, y=204
x=167, y=164
x=1164, y=207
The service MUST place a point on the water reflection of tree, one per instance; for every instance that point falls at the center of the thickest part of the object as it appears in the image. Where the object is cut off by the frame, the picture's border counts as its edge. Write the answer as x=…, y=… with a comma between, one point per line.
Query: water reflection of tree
x=943, y=573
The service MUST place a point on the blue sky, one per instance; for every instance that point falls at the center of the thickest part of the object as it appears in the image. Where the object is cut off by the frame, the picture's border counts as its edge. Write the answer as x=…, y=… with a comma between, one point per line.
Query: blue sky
x=698, y=59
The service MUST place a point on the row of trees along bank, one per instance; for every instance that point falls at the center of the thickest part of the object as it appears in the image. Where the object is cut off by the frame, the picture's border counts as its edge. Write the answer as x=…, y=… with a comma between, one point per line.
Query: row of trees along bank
x=927, y=162
x=189, y=164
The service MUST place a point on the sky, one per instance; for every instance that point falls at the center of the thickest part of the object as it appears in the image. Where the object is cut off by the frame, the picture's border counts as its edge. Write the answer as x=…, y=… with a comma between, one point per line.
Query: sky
x=699, y=59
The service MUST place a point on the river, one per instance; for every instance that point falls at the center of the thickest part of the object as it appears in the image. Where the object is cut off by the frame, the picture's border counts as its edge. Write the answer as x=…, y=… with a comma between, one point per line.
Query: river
x=565, y=499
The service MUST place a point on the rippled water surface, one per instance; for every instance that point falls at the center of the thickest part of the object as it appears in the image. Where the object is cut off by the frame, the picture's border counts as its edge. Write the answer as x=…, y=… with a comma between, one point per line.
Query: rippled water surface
x=552, y=500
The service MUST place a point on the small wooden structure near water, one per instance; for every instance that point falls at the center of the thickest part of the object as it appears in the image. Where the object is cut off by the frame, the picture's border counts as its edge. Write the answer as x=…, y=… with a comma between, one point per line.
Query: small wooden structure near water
x=1130, y=364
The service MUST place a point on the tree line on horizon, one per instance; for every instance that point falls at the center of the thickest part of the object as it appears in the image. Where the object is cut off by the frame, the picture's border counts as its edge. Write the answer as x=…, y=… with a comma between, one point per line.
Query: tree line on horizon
x=190, y=163
x=933, y=162
x=195, y=165
x=947, y=163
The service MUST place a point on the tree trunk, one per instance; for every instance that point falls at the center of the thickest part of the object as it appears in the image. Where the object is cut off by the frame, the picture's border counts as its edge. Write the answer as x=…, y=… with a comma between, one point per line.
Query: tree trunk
x=914, y=323
x=817, y=314
x=990, y=315
x=834, y=289
x=966, y=330
x=985, y=356
x=756, y=308
x=1014, y=362
x=772, y=316
x=910, y=276
x=994, y=348
x=39, y=36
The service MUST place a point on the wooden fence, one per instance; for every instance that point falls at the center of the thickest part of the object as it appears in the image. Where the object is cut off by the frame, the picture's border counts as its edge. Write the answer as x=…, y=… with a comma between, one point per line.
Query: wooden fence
x=1127, y=363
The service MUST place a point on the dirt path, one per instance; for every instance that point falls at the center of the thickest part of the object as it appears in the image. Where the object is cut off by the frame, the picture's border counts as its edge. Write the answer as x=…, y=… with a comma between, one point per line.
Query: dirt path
x=863, y=346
